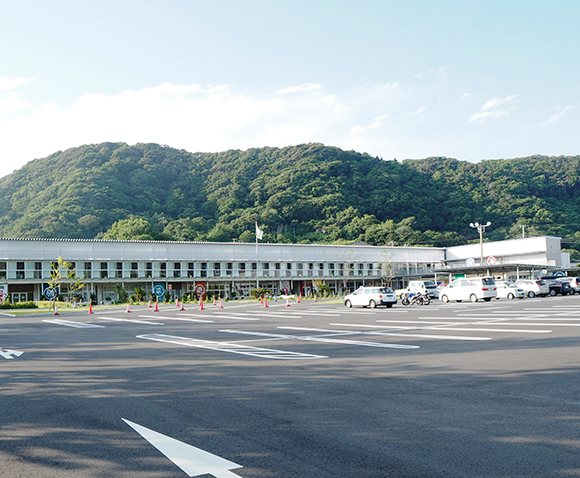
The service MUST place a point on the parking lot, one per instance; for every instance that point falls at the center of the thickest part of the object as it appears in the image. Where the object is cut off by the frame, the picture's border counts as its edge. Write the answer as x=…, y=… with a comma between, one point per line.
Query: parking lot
x=312, y=390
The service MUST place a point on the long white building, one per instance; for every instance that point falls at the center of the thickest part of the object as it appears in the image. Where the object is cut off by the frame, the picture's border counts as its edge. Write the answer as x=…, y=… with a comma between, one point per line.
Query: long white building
x=233, y=269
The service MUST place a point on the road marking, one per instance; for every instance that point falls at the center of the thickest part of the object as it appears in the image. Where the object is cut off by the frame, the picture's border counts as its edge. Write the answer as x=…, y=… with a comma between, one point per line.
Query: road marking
x=323, y=339
x=70, y=323
x=426, y=336
x=193, y=461
x=230, y=347
x=174, y=318
x=134, y=321
x=10, y=354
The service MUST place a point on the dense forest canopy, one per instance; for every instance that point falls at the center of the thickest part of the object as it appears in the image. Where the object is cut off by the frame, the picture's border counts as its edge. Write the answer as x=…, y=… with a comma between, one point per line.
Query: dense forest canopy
x=305, y=193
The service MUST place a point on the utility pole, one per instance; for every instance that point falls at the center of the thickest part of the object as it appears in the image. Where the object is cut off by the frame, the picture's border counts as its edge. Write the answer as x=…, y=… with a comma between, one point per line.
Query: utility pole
x=481, y=229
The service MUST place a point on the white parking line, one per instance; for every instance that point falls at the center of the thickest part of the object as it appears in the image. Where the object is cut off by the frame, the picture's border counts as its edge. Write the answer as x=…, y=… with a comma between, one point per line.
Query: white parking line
x=323, y=339
x=131, y=320
x=231, y=348
x=399, y=334
x=174, y=318
x=70, y=323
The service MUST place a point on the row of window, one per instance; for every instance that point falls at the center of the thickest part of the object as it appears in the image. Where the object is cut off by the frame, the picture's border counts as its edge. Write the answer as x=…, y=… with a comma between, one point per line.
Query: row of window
x=135, y=270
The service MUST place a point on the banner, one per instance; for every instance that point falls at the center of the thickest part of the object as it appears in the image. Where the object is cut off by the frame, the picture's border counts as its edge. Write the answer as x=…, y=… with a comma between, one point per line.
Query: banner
x=200, y=290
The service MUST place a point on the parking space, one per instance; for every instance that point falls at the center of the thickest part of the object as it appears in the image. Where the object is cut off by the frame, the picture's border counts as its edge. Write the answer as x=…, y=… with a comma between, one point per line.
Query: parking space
x=457, y=389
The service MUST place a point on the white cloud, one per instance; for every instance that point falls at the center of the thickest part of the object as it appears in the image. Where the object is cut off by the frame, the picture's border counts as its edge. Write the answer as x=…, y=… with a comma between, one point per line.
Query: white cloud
x=557, y=117
x=374, y=123
x=388, y=86
x=13, y=102
x=304, y=87
x=494, y=108
x=416, y=112
x=12, y=83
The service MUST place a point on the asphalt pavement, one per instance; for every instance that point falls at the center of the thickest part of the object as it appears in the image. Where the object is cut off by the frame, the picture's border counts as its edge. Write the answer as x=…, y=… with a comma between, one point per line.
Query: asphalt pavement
x=486, y=389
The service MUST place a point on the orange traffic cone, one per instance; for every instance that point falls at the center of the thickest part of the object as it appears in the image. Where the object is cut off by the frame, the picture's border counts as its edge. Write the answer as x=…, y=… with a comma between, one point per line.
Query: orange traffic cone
x=176, y=302
x=182, y=307
x=266, y=302
x=156, y=306
x=149, y=306
x=90, y=307
x=214, y=302
x=201, y=304
x=128, y=311
x=261, y=300
x=56, y=310
x=315, y=300
x=287, y=302
x=298, y=299
x=220, y=306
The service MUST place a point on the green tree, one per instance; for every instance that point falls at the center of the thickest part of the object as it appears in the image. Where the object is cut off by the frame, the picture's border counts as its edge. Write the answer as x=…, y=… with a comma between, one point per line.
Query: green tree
x=133, y=228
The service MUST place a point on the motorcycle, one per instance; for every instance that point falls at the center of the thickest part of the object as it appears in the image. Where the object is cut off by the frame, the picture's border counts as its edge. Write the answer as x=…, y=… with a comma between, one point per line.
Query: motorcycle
x=415, y=299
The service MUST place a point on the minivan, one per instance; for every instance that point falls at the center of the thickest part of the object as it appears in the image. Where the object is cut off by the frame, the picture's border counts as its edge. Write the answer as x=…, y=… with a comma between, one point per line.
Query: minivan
x=472, y=289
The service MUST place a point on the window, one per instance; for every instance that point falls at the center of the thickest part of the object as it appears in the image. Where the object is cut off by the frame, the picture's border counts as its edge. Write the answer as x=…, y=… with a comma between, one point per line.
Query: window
x=177, y=269
x=204, y=269
x=20, y=270
x=119, y=271
x=38, y=270
x=2, y=270
x=134, y=270
x=149, y=270
x=163, y=270
x=190, y=269
x=104, y=270
x=88, y=270
x=229, y=268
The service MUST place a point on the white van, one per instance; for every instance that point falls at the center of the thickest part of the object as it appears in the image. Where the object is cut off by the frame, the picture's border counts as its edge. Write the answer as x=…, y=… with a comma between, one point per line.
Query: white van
x=469, y=289
x=425, y=287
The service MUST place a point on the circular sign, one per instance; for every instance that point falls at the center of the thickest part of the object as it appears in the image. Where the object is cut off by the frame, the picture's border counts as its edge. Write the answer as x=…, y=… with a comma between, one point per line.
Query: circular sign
x=159, y=290
x=200, y=290
x=470, y=262
x=559, y=274
x=491, y=261
x=49, y=293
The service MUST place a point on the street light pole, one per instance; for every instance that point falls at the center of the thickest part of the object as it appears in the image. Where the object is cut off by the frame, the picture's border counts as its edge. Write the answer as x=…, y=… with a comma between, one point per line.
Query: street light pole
x=481, y=229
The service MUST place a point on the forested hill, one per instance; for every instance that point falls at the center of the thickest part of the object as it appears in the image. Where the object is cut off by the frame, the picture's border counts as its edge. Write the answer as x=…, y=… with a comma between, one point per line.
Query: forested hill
x=305, y=193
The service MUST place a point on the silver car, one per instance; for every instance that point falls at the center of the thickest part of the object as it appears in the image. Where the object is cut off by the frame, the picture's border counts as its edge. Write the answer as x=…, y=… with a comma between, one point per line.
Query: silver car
x=534, y=287
x=371, y=297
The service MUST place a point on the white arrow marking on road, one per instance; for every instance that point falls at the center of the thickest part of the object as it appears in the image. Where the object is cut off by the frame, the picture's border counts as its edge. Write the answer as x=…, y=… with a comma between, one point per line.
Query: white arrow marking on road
x=8, y=354
x=193, y=461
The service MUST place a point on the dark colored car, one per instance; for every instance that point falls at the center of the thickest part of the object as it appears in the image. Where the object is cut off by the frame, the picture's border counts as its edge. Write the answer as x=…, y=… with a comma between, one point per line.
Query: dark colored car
x=558, y=285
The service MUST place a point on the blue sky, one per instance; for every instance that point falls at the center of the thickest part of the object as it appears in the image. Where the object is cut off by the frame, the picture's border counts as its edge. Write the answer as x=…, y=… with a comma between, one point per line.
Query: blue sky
x=465, y=79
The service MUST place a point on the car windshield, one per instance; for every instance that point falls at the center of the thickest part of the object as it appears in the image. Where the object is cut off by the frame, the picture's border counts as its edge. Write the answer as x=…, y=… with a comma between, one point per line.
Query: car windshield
x=430, y=284
x=488, y=281
x=387, y=290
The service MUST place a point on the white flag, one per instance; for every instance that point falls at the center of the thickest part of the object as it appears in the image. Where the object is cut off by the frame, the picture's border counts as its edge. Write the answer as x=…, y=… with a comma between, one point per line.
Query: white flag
x=259, y=232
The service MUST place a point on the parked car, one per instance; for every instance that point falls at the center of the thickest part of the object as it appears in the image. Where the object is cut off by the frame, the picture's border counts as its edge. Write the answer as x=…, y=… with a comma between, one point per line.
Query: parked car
x=471, y=289
x=534, y=287
x=424, y=287
x=508, y=290
x=574, y=283
x=559, y=285
x=371, y=297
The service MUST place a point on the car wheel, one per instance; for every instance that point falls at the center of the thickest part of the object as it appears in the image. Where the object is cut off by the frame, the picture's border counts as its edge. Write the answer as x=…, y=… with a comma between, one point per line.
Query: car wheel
x=348, y=304
x=552, y=292
x=372, y=304
x=389, y=306
x=572, y=292
x=444, y=299
x=511, y=296
x=473, y=298
x=531, y=294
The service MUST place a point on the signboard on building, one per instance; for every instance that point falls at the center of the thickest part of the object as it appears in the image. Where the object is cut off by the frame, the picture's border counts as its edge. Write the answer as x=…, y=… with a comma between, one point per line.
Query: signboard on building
x=200, y=290
x=159, y=289
x=3, y=292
